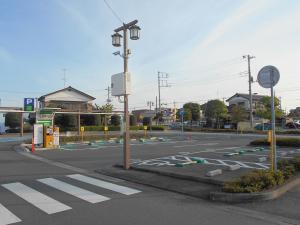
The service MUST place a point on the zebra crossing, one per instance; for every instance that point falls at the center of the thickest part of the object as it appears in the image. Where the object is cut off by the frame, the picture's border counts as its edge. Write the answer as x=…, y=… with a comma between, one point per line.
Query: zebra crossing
x=50, y=205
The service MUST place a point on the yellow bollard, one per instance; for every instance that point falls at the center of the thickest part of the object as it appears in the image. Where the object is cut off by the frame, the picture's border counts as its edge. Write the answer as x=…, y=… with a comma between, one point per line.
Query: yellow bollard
x=81, y=131
x=272, y=149
x=145, y=131
x=105, y=132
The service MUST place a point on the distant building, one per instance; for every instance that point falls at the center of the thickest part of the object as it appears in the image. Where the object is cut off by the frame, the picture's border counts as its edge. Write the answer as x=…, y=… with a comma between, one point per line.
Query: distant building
x=295, y=112
x=68, y=99
x=141, y=113
x=244, y=101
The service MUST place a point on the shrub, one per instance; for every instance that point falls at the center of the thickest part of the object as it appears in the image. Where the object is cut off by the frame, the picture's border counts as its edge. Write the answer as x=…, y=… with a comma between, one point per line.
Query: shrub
x=157, y=127
x=296, y=162
x=289, y=142
x=255, y=181
x=260, y=180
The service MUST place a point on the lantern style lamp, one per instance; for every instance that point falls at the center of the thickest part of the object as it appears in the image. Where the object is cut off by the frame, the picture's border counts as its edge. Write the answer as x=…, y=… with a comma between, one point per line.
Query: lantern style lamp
x=134, y=32
x=116, y=39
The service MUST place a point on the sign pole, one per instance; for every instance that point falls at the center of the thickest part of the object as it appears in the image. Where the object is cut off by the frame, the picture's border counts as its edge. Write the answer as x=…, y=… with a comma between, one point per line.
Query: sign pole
x=268, y=77
x=182, y=122
x=274, y=154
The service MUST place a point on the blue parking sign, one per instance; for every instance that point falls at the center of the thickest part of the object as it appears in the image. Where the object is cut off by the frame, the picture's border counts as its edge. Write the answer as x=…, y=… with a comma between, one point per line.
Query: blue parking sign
x=28, y=104
x=181, y=112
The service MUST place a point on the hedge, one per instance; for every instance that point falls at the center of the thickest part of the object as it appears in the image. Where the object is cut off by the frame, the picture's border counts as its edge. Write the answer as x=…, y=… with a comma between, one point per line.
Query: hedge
x=117, y=128
x=261, y=180
x=280, y=141
x=195, y=129
x=65, y=139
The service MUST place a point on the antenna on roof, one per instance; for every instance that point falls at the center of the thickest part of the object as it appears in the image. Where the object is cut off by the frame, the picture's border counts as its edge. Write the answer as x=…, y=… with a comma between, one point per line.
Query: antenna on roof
x=64, y=78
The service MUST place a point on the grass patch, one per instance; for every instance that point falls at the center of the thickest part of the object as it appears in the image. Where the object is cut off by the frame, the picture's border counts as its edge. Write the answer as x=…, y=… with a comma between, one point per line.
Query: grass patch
x=261, y=180
x=281, y=141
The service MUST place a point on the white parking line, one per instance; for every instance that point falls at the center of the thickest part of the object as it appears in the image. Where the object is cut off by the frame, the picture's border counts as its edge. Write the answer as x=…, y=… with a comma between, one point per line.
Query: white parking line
x=73, y=190
x=104, y=184
x=204, y=144
x=7, y=217
x=39, y=200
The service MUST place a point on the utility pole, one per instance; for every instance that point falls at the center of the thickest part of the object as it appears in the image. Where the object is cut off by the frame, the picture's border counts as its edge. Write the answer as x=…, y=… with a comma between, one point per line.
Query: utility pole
x=250, y=81
x=150, y=104
x=175, y=110
x=108, y=100
x=156, y=104
x=162, y=82
x=134, y=35
x=64, y=78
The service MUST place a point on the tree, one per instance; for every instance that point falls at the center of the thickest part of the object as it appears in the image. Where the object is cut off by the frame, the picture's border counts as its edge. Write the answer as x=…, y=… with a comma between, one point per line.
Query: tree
x=12, y=120
x=187, y=116
x=215, y=110
x=238, y=114
x=115, y=120
x=158, y=117
x=266, y=111
x=107, y=108
x=146, y=121
x=193, y=109
x=65, y=121
x=132, y=120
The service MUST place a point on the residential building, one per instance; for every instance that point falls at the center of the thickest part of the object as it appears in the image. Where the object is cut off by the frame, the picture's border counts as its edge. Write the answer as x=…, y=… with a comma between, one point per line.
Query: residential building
x=244, y=101
x=67, y=99
x=141, y=113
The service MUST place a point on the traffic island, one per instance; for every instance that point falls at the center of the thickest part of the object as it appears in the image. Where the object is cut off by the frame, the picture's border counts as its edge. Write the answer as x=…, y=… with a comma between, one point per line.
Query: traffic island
x=274, y=193
x=210, y=182
x=261, y=184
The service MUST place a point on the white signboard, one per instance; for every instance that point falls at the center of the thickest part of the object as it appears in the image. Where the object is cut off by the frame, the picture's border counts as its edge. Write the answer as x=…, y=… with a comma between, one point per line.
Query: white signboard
x=268, y=76
x=38, y=134
x=118, y=84
x=56, y=138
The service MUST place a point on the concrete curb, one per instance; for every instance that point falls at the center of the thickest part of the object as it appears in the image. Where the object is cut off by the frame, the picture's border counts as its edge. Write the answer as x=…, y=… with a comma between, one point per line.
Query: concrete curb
x=180, y=186
x=178, y=176
x=24, y=147
x=250, y=197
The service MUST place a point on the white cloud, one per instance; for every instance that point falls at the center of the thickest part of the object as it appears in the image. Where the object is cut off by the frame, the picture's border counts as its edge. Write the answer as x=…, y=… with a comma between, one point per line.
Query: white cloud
x=247, y=9
x=81, y=20
x=272, y=39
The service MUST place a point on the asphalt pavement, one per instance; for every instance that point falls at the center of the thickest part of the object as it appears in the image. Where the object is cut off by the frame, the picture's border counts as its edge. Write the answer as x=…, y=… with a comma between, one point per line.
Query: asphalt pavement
x=60, y=187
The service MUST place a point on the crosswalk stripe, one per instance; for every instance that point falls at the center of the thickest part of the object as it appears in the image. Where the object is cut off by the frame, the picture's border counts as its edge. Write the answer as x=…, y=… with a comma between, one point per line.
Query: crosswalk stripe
x=7, y=217
x=104, y=184
x=73, y=190
x=39, y=200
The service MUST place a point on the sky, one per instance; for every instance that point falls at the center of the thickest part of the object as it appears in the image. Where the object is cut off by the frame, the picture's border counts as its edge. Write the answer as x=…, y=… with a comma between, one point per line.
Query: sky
x=199, y=43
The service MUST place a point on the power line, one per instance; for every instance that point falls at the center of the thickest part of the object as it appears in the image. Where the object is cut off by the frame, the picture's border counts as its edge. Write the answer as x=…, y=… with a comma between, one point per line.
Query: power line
x=113, y=11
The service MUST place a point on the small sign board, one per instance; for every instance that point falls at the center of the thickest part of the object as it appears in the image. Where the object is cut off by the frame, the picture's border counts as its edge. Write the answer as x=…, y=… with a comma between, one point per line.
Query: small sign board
x=29, y=104
x=82, y=129
x=181, y=112
x=56, y=137
x=268, y=76
x=105, y=128
x=145, y=127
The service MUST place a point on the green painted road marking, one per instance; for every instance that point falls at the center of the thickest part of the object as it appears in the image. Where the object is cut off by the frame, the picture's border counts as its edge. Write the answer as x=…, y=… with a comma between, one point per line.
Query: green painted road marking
x=198, y=160
x=185, y=164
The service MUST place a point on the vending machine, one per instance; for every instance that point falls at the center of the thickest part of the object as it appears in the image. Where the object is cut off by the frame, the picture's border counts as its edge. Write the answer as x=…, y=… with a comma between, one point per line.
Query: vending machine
x=48, y=136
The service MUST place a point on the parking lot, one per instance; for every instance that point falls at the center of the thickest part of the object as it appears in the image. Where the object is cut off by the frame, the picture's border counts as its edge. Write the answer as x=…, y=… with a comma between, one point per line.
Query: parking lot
x=186, y=154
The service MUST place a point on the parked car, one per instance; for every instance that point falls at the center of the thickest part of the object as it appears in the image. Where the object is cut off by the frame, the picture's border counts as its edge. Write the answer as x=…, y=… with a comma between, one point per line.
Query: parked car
x=263, y=126
x=13, y=130
x=292, y=125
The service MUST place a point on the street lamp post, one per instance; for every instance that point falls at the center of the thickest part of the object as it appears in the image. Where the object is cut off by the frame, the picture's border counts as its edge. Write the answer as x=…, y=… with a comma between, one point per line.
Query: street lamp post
x=116, y=41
